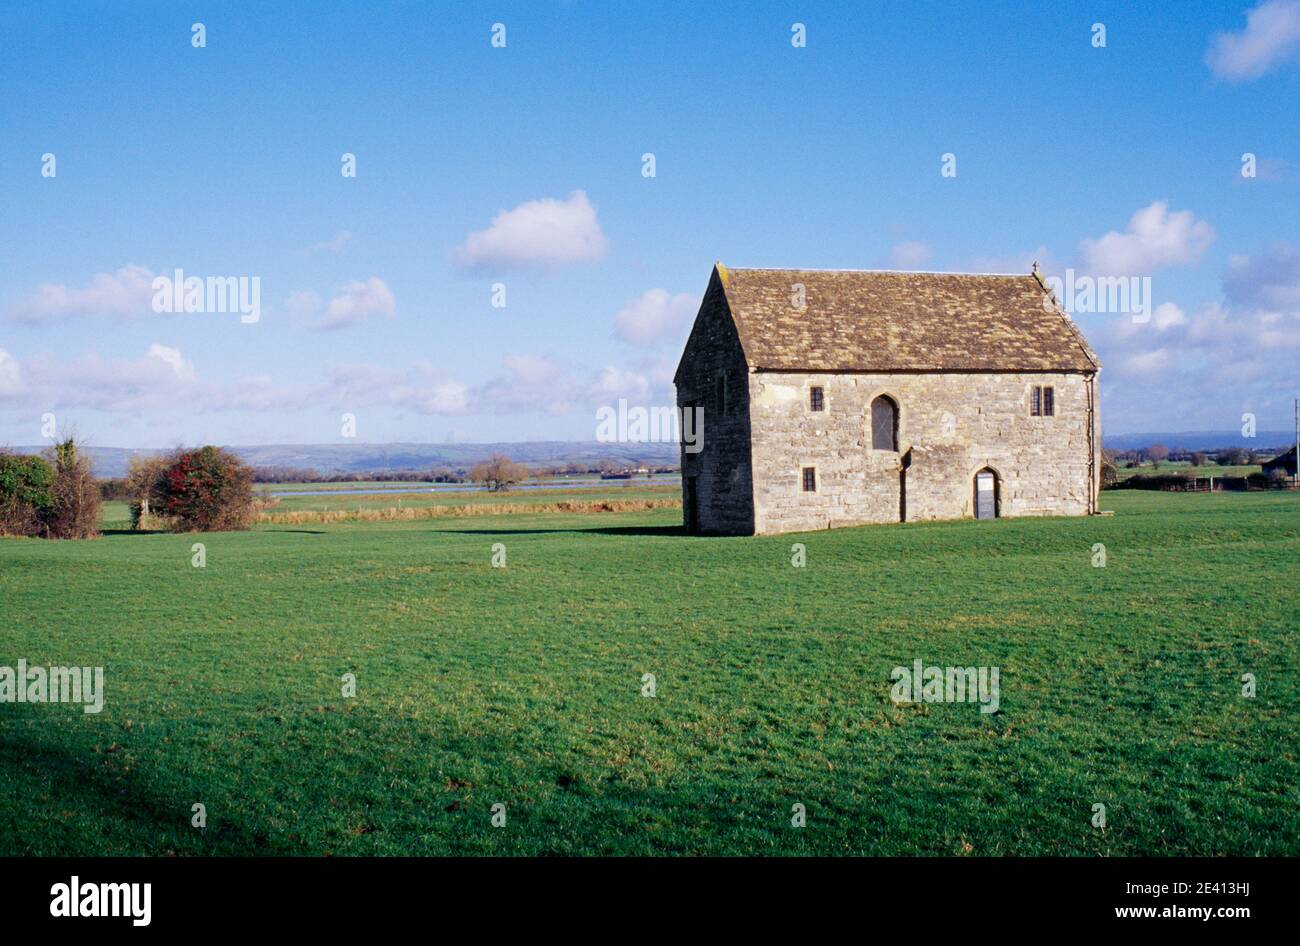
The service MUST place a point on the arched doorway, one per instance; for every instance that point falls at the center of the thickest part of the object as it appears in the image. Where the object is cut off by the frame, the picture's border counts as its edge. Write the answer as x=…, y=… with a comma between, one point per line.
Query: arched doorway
x=987, y=494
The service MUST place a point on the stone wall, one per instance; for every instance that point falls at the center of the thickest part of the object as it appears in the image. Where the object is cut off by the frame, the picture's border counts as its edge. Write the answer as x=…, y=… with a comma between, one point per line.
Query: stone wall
x=721, y=470
x=953, y=425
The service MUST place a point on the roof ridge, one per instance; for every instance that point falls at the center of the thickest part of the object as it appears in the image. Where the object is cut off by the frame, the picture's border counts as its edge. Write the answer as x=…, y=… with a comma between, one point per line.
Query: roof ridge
x=895, y=272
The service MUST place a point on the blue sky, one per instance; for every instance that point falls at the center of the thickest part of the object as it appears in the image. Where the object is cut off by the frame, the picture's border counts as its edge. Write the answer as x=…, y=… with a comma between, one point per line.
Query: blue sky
x=522, y=165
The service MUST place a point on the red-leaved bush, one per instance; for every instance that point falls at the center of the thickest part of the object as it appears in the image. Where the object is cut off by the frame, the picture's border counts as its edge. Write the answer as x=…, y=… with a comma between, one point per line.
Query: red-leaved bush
x=203, y=490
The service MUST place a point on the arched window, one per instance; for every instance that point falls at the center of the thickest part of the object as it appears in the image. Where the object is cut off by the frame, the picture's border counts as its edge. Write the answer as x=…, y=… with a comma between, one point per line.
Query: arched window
x=884, y=424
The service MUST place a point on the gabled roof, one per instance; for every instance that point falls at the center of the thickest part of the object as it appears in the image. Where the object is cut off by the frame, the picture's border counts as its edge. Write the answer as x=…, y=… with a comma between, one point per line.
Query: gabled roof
x=1283, y=461
x=890, y=321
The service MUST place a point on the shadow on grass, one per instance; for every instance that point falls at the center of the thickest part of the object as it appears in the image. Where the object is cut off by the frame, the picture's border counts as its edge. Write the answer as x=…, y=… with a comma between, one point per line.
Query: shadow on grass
x=598, y=530
x=81, y=781
x=108, y=532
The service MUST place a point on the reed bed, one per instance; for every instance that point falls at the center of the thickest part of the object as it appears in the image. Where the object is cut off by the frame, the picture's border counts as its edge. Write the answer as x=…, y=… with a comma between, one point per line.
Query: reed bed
x=584, y=506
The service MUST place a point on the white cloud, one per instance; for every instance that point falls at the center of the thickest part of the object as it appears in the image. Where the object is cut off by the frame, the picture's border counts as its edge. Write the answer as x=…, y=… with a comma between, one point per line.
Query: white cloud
x=614, y=383
x=532, y=383
x=538, y=232
x=159, y=380
x=1154, y=238
x=1271, y=37
x=162, y=380
x=445, y=397
x=11, y=376
x=539, y=384
x=171, y=357
x=910, y=254
x=1167, y=315
x=357, y=302
x=1146, y=363
x=1247, y=345
x=531, y=369
x=419, y=388
x=656, y=316
x=125, y=293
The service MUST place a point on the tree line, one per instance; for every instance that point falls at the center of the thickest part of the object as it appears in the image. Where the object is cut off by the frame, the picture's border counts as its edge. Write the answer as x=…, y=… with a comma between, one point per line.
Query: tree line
x=54, y=495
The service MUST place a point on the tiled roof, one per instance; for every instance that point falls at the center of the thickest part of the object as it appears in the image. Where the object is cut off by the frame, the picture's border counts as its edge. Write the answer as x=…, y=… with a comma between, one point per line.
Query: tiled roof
x=889, y=321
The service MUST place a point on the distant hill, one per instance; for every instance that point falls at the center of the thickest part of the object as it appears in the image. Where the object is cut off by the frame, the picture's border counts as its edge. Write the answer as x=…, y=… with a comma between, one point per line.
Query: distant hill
x=374, y=457
x=1201, y=440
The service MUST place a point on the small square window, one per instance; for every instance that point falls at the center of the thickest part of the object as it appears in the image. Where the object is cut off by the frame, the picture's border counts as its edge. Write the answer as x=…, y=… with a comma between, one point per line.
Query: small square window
x=816, y=399
x=810, y=479
x=1036, y=401
x=1049, y=402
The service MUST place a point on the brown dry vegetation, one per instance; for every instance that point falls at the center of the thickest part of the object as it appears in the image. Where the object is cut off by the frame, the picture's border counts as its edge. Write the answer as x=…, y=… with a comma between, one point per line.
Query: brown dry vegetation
x=302, y=517
x=75, y=513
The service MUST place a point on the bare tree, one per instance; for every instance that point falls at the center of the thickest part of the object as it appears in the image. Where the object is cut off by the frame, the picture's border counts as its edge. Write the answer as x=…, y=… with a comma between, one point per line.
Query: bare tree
x=1158, y=453
x=498, y=473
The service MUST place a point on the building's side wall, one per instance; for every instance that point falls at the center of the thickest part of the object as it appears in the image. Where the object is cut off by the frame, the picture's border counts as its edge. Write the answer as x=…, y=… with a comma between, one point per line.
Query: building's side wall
x=721, y=470
x=953, y=424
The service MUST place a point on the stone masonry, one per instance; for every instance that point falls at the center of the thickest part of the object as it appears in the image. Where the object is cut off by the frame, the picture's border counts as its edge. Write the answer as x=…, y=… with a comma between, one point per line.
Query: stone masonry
x=953, y=425
x=760, y=431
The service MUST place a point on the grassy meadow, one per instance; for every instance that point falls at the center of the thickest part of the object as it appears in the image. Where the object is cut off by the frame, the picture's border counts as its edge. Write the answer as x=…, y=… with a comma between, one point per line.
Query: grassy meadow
x=1123, y=471
x=1207, y=471
x=522, y=685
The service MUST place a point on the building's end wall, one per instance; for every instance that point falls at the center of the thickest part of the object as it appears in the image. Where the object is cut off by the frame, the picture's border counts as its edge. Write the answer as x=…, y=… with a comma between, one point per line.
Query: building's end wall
x=721, y=470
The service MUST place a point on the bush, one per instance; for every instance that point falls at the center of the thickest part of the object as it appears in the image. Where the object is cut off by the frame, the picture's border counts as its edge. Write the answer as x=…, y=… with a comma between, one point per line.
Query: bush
x=74, y=513
x=26, y=494
x=206, y=490
x=1163, y=481
x=54, y=497
x=115, y=488
x=1109, y=475
x=203, y=490
x=146, y=488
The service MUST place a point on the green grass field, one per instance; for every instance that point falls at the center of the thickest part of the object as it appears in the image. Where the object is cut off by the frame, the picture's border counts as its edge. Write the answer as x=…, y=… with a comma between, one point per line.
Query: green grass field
x=1183, y=467
x=522, y=685
x=326, y=500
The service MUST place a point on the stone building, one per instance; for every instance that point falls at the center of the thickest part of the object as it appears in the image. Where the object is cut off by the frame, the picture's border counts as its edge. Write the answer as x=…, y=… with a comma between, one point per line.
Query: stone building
x=836, y=398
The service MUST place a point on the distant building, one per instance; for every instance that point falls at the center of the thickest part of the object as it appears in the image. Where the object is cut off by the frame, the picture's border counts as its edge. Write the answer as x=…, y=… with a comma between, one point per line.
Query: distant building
x=835, y=398
x=1283, y=461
